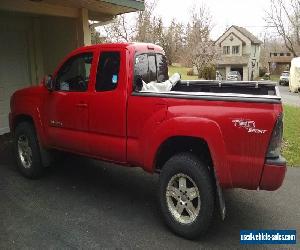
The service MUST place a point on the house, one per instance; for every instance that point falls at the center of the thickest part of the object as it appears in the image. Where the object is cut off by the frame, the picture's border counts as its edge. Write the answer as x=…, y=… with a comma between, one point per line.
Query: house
x=279, y=61
x=239, y=51
x=35, y=35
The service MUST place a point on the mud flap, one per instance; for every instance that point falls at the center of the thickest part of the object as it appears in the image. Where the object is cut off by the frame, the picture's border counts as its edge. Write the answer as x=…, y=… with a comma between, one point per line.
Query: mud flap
x=221, y=201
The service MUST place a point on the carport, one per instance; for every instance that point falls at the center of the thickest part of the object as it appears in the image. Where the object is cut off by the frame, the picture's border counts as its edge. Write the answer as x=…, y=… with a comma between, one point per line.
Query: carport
x=35, y=35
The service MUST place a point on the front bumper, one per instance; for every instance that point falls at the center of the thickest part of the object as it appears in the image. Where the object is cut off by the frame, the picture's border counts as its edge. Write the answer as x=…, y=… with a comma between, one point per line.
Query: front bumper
x=273, y=174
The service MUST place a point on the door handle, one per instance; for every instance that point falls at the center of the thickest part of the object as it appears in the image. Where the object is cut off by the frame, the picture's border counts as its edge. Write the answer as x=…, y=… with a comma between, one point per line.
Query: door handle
x=81, y=105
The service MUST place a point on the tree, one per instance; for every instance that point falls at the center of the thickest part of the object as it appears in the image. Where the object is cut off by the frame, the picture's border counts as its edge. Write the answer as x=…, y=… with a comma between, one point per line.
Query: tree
x=121, y=29
x=284, y=16
x=200, y=49
x=145, y=24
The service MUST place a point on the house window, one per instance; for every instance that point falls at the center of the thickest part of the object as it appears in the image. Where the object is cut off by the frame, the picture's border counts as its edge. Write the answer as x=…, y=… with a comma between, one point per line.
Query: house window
x=275, y=54
x=288, y=54
x=235, y=50
x=281, y=54
x=226, y=50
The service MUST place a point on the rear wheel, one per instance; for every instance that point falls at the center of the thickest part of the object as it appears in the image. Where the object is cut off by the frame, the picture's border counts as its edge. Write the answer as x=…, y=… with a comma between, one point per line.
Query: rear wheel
x=186, y=195
x=27, y=151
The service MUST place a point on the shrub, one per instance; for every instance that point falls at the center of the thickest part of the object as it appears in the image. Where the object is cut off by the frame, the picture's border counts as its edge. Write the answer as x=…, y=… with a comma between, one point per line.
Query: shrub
x=190, y=72
x=208, y=72
x=262, y=72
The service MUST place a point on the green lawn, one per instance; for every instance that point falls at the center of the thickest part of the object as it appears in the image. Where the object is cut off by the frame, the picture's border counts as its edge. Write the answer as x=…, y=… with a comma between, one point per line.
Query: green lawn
x=275, y=78
x=182, y=71
x=291, y=135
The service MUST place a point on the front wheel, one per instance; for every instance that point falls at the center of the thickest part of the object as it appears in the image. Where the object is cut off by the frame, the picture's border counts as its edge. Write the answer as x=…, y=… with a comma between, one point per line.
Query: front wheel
x=27, y=151
x=186, y=195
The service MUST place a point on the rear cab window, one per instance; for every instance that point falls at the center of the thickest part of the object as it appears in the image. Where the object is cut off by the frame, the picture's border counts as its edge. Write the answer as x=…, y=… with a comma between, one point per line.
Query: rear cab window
x=150, y=67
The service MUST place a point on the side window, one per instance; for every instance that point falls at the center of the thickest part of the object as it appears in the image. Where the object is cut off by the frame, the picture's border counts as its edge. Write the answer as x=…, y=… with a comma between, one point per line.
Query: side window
x=108, y=71
x=152, y=68
x=162, y=68
x=74, y=75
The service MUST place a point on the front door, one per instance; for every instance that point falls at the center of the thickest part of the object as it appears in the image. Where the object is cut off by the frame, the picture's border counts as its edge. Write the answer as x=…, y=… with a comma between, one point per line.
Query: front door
x=67, y=107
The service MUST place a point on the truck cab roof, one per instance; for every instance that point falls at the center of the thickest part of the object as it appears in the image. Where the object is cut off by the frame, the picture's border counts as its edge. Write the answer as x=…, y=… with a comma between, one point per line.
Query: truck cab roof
x=132, y=45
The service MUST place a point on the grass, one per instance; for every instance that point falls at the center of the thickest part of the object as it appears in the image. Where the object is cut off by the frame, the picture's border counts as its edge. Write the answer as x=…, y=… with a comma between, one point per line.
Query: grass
x=275, y=78
x=291, y=135
x=183, y=71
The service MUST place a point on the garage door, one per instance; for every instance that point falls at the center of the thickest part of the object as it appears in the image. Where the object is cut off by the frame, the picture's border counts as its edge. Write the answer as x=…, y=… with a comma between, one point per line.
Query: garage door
x=14, y=69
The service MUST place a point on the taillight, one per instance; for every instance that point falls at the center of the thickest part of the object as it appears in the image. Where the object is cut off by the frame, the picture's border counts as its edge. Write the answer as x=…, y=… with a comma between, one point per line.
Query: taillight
x=276, y=139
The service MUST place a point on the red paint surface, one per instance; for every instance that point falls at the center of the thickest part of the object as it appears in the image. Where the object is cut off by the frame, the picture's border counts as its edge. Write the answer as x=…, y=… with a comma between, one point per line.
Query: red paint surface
x=119, y=127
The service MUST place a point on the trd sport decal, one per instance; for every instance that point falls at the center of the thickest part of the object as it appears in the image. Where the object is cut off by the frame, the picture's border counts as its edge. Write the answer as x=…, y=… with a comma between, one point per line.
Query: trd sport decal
x=248, y=125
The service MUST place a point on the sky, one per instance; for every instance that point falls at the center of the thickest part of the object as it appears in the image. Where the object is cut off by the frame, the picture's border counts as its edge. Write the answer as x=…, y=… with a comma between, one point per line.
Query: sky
x=246, y=13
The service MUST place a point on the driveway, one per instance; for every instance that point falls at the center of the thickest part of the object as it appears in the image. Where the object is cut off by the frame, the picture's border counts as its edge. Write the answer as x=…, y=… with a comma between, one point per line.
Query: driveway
x=288, y=97
x=87, y=204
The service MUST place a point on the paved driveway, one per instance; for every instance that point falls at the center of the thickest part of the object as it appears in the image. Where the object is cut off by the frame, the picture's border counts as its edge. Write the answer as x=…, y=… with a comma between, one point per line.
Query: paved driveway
x=288, y=97
x=88, y=204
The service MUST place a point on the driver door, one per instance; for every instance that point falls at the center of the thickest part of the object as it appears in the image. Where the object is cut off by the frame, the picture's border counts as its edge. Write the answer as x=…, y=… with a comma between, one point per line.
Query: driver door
x=67, y=107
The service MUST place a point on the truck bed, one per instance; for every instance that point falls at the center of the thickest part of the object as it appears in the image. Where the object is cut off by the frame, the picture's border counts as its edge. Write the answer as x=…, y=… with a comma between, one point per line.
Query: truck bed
x=251, y=91
x=250, y=88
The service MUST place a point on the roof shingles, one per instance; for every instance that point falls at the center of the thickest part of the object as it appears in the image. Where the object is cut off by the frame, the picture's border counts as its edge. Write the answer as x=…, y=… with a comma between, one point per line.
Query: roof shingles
x=248, y=34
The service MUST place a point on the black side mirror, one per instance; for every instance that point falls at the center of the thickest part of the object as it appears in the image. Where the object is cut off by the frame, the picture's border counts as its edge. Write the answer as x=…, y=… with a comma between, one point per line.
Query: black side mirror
x=138, y=82
x=48, y=82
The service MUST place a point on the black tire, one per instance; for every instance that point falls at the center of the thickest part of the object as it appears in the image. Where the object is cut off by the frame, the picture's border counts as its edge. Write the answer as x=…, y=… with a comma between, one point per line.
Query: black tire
x=25, y=131
x=189, y=165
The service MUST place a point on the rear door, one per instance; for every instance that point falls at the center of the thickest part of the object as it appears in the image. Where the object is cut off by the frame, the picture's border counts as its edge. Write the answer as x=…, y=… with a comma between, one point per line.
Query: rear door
x=107, y=117
x=67, y=107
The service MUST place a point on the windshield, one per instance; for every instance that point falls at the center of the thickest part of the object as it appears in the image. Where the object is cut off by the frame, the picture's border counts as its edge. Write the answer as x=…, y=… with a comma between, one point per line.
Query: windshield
x=233, y=73
x=285, y=74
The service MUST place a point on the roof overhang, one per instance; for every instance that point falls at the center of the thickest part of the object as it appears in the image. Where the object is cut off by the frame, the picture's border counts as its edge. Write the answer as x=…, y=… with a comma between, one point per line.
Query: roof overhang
x=99, y=10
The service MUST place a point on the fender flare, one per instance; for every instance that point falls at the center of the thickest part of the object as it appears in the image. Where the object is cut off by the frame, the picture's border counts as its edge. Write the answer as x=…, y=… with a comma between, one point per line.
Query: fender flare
x=202, y=128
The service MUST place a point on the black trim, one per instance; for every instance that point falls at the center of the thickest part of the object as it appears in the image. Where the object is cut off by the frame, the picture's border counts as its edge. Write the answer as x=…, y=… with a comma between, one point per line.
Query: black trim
x=279, y=161
x=208, y=98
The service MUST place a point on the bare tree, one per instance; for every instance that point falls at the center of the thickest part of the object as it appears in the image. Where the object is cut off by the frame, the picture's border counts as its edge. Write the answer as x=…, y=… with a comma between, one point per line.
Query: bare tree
x=200, y=49
x=145, y=26
x=121, y=29
x=270, y=45
x=284, y=16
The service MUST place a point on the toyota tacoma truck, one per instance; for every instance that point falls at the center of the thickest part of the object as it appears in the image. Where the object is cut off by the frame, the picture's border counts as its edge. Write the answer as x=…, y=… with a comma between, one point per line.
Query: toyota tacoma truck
x=201, y=137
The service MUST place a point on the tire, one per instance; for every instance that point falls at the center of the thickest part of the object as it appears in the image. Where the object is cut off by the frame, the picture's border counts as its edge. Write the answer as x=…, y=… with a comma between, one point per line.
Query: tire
x=194, y=223
x=27, y=151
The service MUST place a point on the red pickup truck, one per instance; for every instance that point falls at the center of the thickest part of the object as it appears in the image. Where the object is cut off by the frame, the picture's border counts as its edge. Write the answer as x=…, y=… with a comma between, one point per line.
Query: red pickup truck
x=200, y=136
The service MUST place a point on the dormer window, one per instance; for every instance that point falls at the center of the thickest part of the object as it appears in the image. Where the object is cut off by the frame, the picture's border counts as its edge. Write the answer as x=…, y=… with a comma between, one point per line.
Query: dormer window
x=226, y=50
x=235, y=50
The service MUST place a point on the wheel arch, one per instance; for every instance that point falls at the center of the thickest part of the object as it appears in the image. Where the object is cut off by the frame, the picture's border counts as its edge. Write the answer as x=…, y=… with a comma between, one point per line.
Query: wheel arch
x=19, y=119
x=32, y=117
x=201, y=133
x=179, y=144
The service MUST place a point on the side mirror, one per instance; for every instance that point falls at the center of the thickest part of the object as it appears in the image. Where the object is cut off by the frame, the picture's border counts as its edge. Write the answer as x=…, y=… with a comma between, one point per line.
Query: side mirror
x=138, y=82
x=48, y=82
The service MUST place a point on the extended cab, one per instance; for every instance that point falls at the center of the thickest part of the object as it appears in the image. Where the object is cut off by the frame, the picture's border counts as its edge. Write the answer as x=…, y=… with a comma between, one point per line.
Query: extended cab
x=200, y=136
